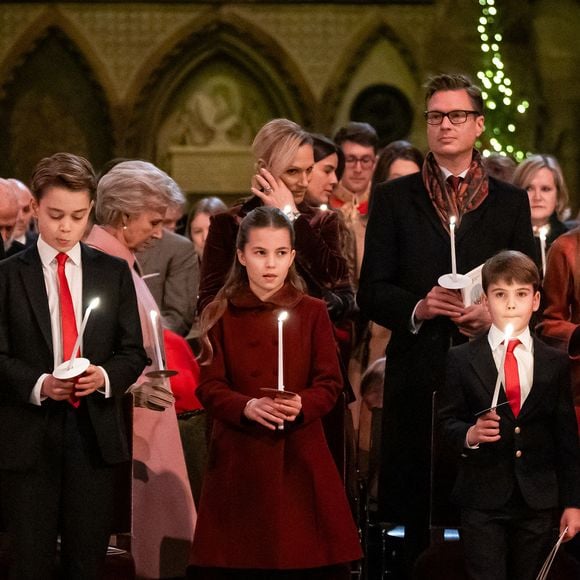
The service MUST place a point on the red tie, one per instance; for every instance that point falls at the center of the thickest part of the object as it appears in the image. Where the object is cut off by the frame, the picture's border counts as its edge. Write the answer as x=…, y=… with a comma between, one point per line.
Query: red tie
x=67, y=316
x=512, y=377
x=455, y=182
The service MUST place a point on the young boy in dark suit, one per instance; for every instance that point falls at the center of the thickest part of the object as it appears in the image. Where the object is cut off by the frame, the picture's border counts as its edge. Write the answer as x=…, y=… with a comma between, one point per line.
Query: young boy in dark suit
x=61, y=441
x=520, y=463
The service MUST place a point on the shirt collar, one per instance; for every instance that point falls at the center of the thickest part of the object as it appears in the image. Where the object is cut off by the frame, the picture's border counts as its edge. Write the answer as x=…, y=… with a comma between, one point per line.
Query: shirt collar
x=48, y=253
x=496, y=337
x=447, y=173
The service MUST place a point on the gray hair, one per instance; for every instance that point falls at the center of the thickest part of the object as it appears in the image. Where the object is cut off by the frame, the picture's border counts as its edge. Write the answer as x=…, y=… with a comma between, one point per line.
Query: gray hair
x=132, y=187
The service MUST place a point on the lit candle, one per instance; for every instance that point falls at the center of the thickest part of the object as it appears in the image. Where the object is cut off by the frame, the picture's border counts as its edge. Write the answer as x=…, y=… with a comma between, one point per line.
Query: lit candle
x=153, y=314
x=500, y=371
x=324, y=207
x=543, y=235
x=94, y=303
x=281, y=318
x=452, y=236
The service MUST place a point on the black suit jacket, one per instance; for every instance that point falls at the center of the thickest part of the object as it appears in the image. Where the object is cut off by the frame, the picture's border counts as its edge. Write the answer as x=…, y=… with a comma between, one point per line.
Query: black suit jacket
x=406, y=250
x=112, y=340
x=547, y=470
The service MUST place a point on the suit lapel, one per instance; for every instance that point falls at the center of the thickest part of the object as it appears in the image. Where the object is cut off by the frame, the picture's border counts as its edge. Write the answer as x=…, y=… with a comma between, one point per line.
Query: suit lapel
x=420, y=197
x=92, y=288
x=541, y=378
x=35, y=290
x=481, y=360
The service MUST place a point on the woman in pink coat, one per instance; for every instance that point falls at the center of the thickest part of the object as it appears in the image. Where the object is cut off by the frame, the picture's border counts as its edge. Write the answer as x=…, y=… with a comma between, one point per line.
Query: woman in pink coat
x=272, y=502
x=132, y=199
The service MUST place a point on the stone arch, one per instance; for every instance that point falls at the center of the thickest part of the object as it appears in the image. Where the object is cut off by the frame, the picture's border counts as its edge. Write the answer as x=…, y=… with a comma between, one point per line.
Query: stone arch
x=49, y=21
x=374, y=30
x=52, y=102
x=214, y=36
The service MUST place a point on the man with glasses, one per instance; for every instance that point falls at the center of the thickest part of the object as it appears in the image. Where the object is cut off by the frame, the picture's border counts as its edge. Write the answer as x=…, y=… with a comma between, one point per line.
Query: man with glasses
x=358, y=142
x=407, y=249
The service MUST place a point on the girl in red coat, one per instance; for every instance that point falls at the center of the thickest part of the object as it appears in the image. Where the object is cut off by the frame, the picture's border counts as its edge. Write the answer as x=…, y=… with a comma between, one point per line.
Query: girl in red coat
x=272, y=502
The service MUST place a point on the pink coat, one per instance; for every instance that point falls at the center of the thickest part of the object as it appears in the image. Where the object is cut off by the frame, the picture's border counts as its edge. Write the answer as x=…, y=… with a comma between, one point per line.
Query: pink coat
x=272, y=499
x=163, y=510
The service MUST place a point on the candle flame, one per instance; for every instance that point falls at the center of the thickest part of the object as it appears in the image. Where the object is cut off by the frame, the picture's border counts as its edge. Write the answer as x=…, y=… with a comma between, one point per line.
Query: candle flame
x=153, y=315
x=94, y=303
x=283, y=316
x=324, y=207
x=543, y=232
x=452, y=220
x=509, y=329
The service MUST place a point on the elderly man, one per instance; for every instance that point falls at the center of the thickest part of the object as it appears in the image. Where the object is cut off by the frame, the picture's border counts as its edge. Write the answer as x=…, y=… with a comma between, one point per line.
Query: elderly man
x=9, y=209
x=22, y=231
x=407, y=249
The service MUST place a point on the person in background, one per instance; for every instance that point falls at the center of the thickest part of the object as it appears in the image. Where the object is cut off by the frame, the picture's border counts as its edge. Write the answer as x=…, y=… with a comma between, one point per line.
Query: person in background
x=284, y=161
x=198, y=221
x=270, y=449
x=170, y=268
x=9, y=209
x=358, y=142
x=560, y=325
x=501, y=167
x=24, y=231
x=542, y=177
x=397, y=159
x=132, y=200
x=326, y=173
x=407, y=250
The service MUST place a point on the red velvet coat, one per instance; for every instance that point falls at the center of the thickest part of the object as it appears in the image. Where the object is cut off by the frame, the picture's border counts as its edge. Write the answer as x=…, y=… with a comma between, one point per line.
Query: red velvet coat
x=561, y=319
x=272, y=499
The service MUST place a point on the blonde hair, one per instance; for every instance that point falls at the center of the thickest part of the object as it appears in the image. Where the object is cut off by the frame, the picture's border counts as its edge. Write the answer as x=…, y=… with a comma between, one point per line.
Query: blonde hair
x=276, y=145
x=526, y=170
x=132, y=187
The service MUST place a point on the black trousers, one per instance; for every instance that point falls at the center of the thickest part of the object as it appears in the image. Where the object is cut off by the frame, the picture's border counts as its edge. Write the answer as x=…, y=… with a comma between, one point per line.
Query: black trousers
x=508, y=543
x=71, y=492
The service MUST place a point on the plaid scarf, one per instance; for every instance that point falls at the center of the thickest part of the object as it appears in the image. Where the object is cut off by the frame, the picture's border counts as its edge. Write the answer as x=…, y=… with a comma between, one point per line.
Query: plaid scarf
x=472, y=191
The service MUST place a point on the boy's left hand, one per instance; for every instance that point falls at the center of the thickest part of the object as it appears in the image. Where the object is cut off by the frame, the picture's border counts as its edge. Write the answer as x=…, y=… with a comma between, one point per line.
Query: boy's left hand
x=90, y=381
x=475, y=321
x=570, y=519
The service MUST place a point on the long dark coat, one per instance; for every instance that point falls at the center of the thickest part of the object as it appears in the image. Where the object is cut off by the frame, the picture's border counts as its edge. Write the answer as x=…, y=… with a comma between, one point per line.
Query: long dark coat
x=406, y=250
x=272, y=499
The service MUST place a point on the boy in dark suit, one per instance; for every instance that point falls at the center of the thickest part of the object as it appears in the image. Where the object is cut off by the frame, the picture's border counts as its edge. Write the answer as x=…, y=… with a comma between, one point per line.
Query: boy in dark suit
x=61, y=442
x=520, y=462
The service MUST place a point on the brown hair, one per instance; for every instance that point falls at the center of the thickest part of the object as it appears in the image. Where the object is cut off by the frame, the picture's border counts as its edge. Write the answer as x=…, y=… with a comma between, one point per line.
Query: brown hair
x=237, y=279
x=66, y=170
x=360, y=133
x=510, y=266
x=454, y=82
x=393, y=151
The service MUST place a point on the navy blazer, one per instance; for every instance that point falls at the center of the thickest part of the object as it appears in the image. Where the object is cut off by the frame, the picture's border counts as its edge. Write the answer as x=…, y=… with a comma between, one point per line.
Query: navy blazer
x=112, y=339
x=538, y=451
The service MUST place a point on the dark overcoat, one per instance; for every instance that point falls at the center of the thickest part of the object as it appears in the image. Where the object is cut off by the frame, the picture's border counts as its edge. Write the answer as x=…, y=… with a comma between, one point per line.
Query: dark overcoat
x=406, y=250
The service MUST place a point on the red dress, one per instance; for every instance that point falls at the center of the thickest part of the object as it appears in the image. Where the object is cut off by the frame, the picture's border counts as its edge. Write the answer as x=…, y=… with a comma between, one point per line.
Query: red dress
x=272, y=499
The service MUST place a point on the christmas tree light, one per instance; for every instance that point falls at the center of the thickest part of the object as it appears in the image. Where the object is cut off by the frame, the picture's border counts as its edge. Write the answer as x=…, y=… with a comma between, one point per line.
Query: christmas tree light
x=503, y=112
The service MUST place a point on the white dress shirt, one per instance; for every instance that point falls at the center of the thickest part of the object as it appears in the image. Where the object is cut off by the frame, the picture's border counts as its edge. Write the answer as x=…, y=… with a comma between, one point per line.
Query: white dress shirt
x=74, y=274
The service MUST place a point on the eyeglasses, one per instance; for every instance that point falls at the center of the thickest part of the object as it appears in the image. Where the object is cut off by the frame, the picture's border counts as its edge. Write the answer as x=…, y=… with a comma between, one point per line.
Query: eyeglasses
x=366, y=162
x=456, y=117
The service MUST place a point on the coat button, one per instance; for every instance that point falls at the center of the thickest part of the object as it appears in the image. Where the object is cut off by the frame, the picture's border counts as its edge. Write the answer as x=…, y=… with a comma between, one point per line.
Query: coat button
x=518, y=453
x=517, y=430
